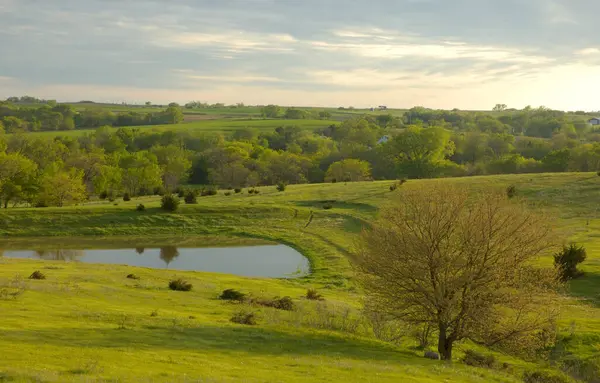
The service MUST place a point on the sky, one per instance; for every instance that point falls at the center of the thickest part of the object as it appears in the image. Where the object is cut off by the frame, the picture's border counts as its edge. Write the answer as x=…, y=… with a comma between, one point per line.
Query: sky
x=466, y=54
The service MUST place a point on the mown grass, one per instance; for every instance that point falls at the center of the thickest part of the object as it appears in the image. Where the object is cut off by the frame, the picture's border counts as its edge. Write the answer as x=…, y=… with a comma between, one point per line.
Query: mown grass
x=84, y=321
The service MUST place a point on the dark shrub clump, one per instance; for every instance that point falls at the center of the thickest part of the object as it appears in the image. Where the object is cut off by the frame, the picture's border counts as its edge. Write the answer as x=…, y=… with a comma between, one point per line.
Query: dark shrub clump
x=328, y=206
x=37, y=275
x=473, y=358
x=313, y=295
x=511, y=191
x=190, y=198
x=285, y=303
x=567, y=259
x=181, y=192
x=180, y=285
x=543, y=377
x=126, y=197
x=169, y=203
x=132, y=276
x=243, y=317
x=140, y=207
x=281, y=186
x=227, y=193
x=237, y=190
x=232, y=295
x=393, y=187
x=103, y=195
x=402, y=181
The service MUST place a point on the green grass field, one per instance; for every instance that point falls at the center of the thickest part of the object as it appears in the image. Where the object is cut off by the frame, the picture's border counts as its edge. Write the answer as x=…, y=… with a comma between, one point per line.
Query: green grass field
x=225, y=126
x=90, y=323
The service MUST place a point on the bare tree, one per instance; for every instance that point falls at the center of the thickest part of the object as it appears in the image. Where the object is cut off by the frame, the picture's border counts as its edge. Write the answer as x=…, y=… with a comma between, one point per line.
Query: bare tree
x=460, y=263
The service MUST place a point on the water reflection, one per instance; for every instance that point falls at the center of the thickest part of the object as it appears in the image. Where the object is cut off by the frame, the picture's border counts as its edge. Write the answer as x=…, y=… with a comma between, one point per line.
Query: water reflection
x=260, y=261
x=59, y=255
x=168, y=254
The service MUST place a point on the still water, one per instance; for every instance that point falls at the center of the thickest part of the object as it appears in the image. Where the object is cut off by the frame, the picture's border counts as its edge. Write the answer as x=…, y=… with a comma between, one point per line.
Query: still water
x=275, y=261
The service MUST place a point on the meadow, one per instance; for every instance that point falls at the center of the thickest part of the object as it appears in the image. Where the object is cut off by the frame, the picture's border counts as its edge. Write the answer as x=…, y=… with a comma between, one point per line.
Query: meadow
x=90, y=323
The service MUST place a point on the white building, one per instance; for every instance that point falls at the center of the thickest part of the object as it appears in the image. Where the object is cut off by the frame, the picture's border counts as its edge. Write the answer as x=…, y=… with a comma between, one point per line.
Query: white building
x=594, y=121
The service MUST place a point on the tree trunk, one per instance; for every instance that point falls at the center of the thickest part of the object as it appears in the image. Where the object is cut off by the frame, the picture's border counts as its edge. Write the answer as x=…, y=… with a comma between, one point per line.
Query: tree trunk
x=444, y=345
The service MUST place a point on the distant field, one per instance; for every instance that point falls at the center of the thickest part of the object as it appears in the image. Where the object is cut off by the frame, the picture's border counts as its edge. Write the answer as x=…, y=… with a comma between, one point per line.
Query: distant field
x=214, y=126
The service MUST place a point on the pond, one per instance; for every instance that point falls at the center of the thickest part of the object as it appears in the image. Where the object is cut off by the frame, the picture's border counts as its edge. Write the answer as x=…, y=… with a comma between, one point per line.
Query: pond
x=274, y=261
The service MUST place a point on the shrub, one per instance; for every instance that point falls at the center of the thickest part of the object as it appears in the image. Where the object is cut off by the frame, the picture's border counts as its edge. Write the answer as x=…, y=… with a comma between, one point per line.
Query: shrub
x=132, y=276
x=393, y=187
x=140, y=207
x=256, y=191
x=169, y=203
x=159, y=190
x=511, y=191
x=250, y=191
x=103, y=195
x=190, y=198
x=285, y=303
x=543, y=377
x=126, y=197
x=567, y=259
x=403, y=181
x=313, y=295
x=244, y=317
x=227, y=193
x=281, y=186
x=181, y=193
x=328, y=206
x=180, y=285
x=154, y=313
x=598, y=174
x=232, y=295
x=179, y=190
x=237, y=190
x=40, y=204
x=37, y=275
x=209, y=191
x=475, y=359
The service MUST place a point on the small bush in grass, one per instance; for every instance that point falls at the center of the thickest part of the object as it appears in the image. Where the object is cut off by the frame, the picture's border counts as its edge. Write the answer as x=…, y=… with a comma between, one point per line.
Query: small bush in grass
x=567, y=259
x=313, y=295
x=244, y=317
x=285, y=303
x=211, y=191
x=328, y=206
x=473, y=358
x=154, y=313
x=403, y=181
x=232, y=295
x=181, y=193
x=251, y=191
x=111, y=198
x=598, y=174
x=180, y=285
x=393, y=187
x=511, y=191
x=190, y=198
x=37, y=275
x=227, y=193
x=103, y=195
x=126, y=197
x=169, y=203
x=132, y=276
x=256, y=191
x=281, y=186
x=543, y=377
x=140, y=207
x=237, y=190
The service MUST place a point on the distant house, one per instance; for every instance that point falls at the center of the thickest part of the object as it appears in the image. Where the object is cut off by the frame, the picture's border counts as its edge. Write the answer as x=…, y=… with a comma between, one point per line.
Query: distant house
x=382, y=107
x=383, y=140
x=594, y=121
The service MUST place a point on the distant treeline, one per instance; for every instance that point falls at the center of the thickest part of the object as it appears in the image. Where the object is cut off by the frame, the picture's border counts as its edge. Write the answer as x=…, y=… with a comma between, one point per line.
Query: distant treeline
x=52, y=117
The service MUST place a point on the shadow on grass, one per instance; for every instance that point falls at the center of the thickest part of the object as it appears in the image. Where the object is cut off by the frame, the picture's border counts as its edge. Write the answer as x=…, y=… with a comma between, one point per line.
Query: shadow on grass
x=206, y=338
x=587, y=287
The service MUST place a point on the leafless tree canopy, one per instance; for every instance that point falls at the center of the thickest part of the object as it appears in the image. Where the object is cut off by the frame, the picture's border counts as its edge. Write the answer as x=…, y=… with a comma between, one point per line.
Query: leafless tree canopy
x=461, y=263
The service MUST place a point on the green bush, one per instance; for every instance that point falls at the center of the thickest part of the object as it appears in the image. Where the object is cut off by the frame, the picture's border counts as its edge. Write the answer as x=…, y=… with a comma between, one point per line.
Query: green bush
x=285, y=303
x=543, y=377
x=313, y=295
x=227, y=193
x=328, y=206
x=232, y=295
x=37, y=275
x=403, y=181
x=190, y=198
x=209, y=191
x=140, y=207
x=393, y=187
x=169, y=203
x=244, y=317
x=132, y=276
x=181, y=193
x=103, y=195
x=281, y=186
x=511, y=191
x=237, y=190
x=126, y=197
x=473, y=358
x=180, y=285
x=567, y=259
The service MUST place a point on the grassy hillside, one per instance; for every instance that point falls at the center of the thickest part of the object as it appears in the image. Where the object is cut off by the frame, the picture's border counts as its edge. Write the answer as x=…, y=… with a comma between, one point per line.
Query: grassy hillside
x=84, y=321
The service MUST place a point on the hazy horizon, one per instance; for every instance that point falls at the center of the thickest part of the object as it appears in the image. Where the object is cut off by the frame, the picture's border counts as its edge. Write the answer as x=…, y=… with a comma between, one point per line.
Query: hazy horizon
x=466, y=54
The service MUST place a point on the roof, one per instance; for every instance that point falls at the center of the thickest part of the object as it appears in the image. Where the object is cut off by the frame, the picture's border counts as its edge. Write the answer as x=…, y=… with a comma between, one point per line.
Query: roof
x=594, y=118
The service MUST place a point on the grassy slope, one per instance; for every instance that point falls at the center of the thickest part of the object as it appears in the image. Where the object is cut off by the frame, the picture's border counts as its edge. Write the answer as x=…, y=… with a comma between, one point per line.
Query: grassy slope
x=67, y=327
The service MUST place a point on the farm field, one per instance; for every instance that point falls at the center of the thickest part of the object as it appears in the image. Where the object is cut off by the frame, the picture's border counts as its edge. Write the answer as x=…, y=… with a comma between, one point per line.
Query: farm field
x=90, y=323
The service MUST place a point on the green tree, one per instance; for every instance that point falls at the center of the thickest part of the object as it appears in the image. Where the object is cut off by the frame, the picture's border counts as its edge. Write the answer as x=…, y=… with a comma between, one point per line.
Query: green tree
x=58, y=188
x=17, y=177
x=348, y=170
x=175, y=164
x=270, y=111
x=295, y=114
x=141, y=172
x=460, y=264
